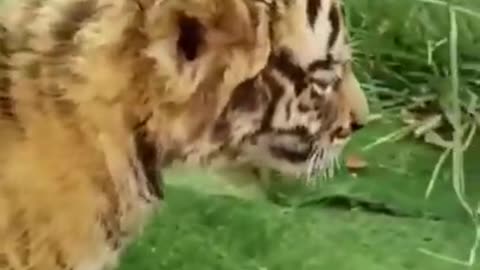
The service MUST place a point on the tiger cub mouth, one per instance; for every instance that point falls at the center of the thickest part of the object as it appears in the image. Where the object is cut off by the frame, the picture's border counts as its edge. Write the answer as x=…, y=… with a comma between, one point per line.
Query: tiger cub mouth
x=292, y=154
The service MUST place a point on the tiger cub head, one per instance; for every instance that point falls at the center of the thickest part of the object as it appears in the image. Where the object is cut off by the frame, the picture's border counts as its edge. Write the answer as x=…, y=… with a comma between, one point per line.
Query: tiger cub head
x=266, y=83
x=296, y=115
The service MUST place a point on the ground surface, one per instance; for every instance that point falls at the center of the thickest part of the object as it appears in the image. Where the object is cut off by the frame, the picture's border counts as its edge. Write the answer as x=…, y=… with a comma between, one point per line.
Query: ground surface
x=318, y=228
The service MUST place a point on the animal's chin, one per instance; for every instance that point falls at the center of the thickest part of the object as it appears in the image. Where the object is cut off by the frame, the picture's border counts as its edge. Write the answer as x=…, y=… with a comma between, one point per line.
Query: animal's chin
x=306, y=164
x=293, y=157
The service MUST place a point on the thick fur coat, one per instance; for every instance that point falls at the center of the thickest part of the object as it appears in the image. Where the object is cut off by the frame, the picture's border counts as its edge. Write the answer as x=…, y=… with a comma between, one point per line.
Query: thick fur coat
x=97, y=96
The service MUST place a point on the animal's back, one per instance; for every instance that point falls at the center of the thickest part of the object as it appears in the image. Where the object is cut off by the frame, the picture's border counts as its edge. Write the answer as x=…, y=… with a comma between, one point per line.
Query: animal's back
x=53, y=202
x=59, y=207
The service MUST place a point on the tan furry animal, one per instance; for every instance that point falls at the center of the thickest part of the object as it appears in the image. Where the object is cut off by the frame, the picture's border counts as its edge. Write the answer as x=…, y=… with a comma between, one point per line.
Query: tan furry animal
x=97, y=96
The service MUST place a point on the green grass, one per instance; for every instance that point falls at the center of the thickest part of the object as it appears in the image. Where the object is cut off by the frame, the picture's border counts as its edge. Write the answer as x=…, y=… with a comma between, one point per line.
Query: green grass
x=402, y=49
x=439, y=77
x=216, y=233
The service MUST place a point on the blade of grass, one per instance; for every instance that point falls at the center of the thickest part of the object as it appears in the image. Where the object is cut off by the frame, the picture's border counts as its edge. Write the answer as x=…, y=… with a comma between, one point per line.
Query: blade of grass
x=471, y=135
x=436, y=172
x=455, y=8
x=458, y=147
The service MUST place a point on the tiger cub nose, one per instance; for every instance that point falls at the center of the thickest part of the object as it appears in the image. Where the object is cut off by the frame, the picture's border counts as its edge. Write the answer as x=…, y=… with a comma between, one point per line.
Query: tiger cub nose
x=355, y=126
x=343, y=132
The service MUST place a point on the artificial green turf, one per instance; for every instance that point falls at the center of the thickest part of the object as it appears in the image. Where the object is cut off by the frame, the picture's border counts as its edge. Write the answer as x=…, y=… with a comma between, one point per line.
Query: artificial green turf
x=196, y=230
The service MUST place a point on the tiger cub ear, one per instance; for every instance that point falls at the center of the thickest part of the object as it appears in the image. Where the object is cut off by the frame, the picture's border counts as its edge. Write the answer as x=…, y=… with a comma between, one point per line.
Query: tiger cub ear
x=191, y=37
x=217, y=26
x=201, y=25
x=234, y=23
